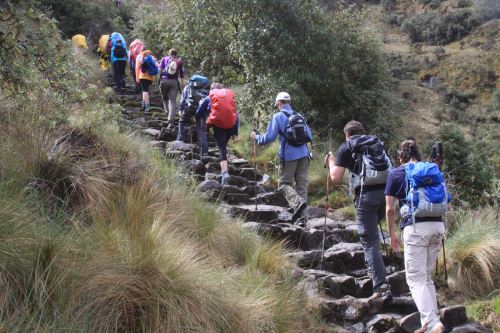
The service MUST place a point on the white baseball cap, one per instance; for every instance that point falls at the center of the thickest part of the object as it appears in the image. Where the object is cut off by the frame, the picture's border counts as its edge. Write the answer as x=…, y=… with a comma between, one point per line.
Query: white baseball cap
x=282, y=96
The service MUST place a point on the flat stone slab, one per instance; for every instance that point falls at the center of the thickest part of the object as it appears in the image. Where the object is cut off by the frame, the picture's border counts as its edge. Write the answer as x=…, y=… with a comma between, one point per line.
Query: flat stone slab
x=151, y=132
x=180, y=146
x=263, y=213
x=319, y=223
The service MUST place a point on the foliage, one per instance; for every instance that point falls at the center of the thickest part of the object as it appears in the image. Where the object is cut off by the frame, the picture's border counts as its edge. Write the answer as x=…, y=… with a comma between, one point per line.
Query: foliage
x=91, y=18
x=440, y=29
x=268, y=45
x=487, y=9
x=473, y=250
x=486, y=312
x=469, y=165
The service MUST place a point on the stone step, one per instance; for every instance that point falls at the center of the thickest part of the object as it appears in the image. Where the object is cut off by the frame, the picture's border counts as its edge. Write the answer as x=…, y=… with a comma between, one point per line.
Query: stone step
x=261, y=213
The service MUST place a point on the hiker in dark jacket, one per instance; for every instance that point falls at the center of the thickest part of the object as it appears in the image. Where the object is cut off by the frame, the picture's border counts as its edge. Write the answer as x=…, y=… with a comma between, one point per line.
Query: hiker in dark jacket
x=294, y=159
x=370, y=206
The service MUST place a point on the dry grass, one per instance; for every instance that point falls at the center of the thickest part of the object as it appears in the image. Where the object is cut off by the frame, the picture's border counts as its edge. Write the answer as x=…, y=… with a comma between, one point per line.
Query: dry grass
x=474, y=253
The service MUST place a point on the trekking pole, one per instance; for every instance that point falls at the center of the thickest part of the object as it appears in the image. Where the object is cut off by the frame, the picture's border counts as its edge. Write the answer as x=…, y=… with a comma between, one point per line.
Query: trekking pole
x=438, y=158
x=255, y=168
x=326, y=213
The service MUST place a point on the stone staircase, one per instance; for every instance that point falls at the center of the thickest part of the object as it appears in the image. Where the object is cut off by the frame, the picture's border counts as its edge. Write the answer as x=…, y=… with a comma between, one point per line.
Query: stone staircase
x=338, y=285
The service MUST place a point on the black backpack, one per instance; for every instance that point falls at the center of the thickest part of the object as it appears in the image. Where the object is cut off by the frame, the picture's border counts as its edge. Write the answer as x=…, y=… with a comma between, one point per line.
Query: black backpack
x=371, y=158
x=119, y=51
x=295, y=132
x=197, y=91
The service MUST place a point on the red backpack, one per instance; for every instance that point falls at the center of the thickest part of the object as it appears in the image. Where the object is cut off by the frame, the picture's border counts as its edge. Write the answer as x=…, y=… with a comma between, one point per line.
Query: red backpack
x=222, y=109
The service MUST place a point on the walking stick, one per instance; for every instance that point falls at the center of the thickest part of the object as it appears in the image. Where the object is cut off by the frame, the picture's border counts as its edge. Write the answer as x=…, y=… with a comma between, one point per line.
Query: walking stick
x=326, y=213
x=438, y=158
x=255, y=168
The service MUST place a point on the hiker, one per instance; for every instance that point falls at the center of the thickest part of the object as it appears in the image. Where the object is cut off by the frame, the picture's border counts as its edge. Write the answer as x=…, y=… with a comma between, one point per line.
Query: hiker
x=194, y=92
x=293, y=152
x=422, y=227
x=119, y=57
x=79, y=41
x=146, y=68
x=360, y=154
x=103, y=52
x=136, y=47
x=170, y=70
x=220, y=108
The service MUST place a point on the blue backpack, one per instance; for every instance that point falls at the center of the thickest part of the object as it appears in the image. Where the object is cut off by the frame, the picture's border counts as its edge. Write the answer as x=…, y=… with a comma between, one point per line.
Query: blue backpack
x=427, y=194
x=199, y=87
x=149, y=65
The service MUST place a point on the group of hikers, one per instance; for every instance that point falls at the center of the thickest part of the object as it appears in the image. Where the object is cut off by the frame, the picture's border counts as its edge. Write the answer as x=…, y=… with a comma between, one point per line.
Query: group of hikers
x=377, y=187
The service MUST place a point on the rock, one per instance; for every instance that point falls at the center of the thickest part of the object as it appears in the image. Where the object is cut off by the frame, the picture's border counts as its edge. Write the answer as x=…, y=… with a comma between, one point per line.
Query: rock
x=180, y=146
x=317, y=273
x=471, y=328
x=312, y=239
x=157, y=144
x=250, y=174
x=357, y=328
x=333, y=310
x=154, y=123
x=357, y=261
x=253, y=226
x=167, y=134
x=174, y=154
x=339, y=285
x=209, y=185
x=319, y=223
x=151, y=132
x=398, y=284
x=310, y=288
x=231, y=189
x=237, y=161
x=253, y=190
x=263, y=213
x=337, y=261
x=195, y=166
x=306, y=259
x=212, y=176
x=364, y=287
x=275, y=198
x=315, y=212
x=401, y=304
x=357, y=308
x=452, y=316
x=351, y=247
x=382, y=323
x=236, y=198
x=238, y=181
x=350, y=236
x=411, y=322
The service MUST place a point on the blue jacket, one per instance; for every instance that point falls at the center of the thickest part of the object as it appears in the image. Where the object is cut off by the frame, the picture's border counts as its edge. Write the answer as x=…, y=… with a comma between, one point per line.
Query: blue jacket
x=276, y=127
x=115, y=36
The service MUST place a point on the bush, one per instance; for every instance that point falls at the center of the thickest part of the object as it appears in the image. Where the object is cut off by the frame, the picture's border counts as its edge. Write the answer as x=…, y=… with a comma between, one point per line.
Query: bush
x=473, y=250
x=91, y=18
x=469, y=165
x=273, y=46
x=440, y=29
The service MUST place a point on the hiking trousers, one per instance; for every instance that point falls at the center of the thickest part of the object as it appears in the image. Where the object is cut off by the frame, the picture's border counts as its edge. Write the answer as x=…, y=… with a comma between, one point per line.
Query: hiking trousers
x=169, y=90
x=294, y=171
x=370, y=210
x=421, y=248
x=119, y=73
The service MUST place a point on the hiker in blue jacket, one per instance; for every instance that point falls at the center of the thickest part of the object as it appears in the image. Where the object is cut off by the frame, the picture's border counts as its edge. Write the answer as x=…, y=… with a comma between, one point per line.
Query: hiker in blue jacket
x=294, y=159
x=119, y=58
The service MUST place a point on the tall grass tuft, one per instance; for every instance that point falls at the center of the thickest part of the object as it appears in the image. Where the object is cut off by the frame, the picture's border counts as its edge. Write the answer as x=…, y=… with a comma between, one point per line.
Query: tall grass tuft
x=474, y=252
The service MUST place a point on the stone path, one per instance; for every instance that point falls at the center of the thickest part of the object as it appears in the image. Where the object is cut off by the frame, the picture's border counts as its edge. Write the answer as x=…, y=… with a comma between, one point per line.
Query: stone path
x=339, y=286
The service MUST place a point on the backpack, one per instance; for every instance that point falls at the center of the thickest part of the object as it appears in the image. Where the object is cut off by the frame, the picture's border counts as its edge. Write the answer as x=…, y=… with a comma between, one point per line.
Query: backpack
x=198, y=89
x=369, y=155
x=222, y=109
x=171, y=66
x=427, y=194
x=119, y=51
x=149, y=65
x=295, y=132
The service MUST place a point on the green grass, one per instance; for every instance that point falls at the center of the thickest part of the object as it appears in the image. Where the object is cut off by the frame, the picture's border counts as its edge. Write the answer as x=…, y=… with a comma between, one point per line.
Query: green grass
x=486, y=311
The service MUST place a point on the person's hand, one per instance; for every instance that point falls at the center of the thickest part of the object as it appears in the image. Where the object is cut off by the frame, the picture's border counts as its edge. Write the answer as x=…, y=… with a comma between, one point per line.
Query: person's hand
x=253, y=134
x=395, y=243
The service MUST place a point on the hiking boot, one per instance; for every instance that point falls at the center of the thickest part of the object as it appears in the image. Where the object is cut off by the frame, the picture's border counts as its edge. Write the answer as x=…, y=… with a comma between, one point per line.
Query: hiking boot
x=170, y=125
x=225, y=178
x=301, y=221
x=382, y=295
x=299, y=209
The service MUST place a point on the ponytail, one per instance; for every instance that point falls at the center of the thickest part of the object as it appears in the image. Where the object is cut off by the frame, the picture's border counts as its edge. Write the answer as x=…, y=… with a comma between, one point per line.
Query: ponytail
x=408, y=150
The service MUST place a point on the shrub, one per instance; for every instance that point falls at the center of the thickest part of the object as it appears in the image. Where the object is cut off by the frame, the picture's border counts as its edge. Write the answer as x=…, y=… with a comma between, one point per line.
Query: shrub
x=440, y=29
x=473, y=250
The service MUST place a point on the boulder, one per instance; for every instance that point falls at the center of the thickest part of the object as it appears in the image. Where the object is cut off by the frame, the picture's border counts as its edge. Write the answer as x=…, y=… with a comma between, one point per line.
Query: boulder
x=401, y=304
x=315, y=212
x=250, y=174
x=319, y=223
x=236, y=198
x=180, y=146
x=209, y=185
x=306, y=259
x=410, y=323
x=195, y=166
x=452, y=316
x=275, y=198
x=237, y=181
x=152, y=132
x=167, y=134
x=333, y=310
x=346, y=235
x=381, y=323
x=338, y=286
x=357, y=308
x=364, y=287
x=231, y=189
x=263, y=213
x=351, y=247
x=337, y=261
x=253, y=190
x=398, y=284
x=471, y=328
x=317, y=273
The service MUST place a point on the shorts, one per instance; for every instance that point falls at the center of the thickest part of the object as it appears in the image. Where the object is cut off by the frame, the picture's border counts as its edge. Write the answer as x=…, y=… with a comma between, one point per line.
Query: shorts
x=145, y=84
